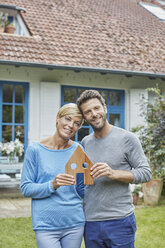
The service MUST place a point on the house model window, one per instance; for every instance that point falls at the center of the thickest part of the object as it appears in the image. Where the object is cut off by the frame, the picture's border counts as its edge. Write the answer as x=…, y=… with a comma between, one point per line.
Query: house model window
x=155, y=9
x=10, y=16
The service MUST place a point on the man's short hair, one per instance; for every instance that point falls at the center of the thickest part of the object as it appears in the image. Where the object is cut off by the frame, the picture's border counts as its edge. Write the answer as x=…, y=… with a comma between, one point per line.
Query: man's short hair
x=87, y=95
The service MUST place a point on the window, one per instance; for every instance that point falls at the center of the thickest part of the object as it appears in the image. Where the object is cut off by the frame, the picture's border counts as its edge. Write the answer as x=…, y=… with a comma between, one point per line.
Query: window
x=9, y=15
x=155, y=10
x=115, y=106
x=13, y=112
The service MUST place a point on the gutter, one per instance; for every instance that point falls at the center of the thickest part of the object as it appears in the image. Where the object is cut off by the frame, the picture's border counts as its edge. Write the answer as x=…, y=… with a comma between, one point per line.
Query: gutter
x=83, y=69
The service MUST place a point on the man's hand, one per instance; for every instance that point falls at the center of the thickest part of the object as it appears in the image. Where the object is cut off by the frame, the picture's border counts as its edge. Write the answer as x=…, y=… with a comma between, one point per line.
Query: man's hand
x=63, y=180
x=102, y=169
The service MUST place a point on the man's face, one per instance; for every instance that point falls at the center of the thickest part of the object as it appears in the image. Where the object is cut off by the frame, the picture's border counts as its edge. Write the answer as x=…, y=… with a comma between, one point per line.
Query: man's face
x=94, y=113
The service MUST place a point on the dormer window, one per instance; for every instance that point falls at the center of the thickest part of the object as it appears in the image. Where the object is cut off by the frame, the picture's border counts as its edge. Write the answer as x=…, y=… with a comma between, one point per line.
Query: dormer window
x=155, y=7
x=10, y=18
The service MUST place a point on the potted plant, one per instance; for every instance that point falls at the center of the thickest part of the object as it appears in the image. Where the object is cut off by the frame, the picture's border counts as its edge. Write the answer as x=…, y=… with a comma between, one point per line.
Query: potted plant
x=136, y=190
x=10, y=28
x=152, y=137
x=3, y=21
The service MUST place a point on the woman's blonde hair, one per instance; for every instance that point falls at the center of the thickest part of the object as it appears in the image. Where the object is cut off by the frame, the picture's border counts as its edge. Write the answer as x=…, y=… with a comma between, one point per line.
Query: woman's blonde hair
x=70, y=109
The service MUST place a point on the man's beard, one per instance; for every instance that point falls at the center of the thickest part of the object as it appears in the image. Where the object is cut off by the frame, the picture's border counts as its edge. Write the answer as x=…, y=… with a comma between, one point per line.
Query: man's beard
x=99, y=128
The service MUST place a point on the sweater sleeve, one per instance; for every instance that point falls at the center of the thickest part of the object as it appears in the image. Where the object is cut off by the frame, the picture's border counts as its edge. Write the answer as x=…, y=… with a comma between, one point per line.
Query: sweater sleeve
x=29, y=185
x=137, y=159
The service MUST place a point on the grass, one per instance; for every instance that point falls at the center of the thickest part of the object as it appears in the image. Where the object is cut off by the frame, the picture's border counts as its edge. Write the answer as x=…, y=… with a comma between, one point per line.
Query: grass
x=17, y=232
x=150, y=227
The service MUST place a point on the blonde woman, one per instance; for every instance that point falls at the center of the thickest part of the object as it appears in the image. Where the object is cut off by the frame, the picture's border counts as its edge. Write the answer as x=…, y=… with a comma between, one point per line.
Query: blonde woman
x=57, y=212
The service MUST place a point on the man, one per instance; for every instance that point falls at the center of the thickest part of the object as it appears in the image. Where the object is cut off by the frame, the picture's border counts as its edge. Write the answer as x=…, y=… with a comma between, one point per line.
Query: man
x=118, y=160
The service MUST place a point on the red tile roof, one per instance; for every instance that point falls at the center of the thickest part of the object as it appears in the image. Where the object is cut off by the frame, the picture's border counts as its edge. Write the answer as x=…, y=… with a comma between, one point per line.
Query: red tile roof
x=112, y=34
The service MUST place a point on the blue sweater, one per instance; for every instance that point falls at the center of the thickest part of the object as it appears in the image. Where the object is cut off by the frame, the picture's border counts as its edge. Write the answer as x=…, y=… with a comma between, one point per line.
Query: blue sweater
x=51, y=209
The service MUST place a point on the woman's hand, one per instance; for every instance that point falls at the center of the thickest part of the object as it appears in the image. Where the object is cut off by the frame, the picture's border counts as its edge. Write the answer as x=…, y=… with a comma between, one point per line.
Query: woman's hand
x=63, y=180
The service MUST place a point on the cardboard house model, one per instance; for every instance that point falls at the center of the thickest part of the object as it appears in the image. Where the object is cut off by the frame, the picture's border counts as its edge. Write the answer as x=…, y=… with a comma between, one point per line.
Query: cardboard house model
x=79, y=163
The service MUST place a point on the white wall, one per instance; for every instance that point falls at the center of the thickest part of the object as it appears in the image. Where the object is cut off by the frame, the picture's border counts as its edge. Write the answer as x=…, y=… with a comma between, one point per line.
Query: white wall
x=44, y=102
x=135, y=98
x=49, y=105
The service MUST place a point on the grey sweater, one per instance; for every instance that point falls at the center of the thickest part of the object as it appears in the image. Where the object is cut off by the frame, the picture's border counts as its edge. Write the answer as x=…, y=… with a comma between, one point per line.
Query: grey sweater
x=121, y=150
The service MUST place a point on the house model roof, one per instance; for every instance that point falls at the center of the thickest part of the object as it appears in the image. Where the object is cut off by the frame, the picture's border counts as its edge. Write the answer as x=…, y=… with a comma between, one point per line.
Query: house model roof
x=110, y=34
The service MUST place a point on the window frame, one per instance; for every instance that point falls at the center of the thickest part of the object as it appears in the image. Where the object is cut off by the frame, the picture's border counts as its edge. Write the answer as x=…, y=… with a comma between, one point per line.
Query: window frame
x=13, y=103
x=15, y=18
x=154, y=9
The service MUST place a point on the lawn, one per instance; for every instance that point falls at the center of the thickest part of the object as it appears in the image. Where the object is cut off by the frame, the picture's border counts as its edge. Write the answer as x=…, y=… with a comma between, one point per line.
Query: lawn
x=150, y=227
x=17, y=232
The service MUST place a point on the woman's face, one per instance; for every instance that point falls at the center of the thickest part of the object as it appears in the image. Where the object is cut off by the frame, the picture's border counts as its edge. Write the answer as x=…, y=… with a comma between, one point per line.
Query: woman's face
x=68, y=125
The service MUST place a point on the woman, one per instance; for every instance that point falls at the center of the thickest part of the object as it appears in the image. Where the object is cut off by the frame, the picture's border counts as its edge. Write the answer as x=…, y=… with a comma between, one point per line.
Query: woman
x=57, y=213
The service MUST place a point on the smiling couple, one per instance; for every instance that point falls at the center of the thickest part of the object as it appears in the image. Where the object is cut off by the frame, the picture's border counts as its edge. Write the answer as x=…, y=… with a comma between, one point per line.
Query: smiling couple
x=106, y=217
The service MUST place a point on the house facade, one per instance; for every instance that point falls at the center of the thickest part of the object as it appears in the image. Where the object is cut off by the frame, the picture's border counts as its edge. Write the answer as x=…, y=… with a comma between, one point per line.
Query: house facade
x=36, y=94
x=104, y=47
